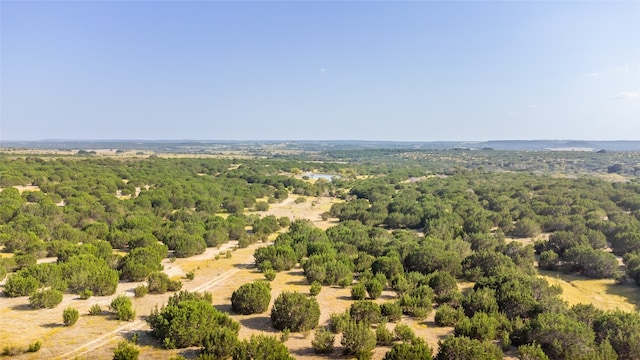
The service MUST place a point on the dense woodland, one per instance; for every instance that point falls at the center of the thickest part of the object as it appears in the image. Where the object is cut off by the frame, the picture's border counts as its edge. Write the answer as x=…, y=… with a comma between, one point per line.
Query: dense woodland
x=408, y=222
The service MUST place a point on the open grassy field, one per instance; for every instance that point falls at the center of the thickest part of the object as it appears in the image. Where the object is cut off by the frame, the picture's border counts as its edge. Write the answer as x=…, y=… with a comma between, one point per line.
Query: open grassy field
x=602, y=293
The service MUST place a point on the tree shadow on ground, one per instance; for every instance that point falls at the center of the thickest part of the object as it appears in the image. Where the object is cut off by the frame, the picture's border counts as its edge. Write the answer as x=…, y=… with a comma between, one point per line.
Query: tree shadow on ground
x=52, y=325
x=298, y=282
x=261, y=323
x=628, y=290
x=225, y=308
x=144, y=338
x=306, y=352
x=245, y=266
x=22, y=307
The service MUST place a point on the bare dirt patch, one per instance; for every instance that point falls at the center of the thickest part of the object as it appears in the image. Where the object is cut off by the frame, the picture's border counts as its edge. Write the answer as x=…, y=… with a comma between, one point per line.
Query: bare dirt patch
x=312, y=209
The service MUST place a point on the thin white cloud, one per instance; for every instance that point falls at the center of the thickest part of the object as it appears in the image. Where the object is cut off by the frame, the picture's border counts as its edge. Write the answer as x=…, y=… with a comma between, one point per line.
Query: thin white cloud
x=619, y=69
x=536, y=106
x=593, y=74
x=627, y=95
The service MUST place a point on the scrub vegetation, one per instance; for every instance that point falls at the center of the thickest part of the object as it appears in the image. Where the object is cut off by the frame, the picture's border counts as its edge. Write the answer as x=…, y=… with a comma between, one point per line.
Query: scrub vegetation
x=416, y=254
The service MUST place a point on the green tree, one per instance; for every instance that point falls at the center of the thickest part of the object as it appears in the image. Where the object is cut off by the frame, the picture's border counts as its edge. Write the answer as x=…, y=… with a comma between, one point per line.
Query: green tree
x=122, y=307
x=481, y=326
x=448, y=316
x=358, y=339
x=18, y=285
x=532, y=352
x=186, y=320
x=391, y=310
x=261, y=347
x=295, y=311
x=323, y=340
x=49, y=299
x=159, y=283
x=622, y=329
x=374, y=288
x=358, y=291
x=365, y=311
x=384, y=336
x=415, y=350
x=126, y=351
x=70, y=316
x=315, y=288
x=220, y=342
x=463, y=348
x=251, y=298
x=525, y=228
x=560, y=336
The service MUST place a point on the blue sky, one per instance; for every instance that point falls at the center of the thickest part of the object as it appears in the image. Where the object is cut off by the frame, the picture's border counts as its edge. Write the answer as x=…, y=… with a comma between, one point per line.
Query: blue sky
x=402, y=71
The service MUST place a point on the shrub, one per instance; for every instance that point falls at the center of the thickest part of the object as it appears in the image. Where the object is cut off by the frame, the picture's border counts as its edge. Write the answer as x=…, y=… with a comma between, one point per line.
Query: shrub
x=11, y=350
x=295, y=311
x=481, y=327
x=261, y=347
x=285, y=335
x=261, y=206
x=404, y=332
x=45, y=299
x=416, y=350
x=531, y=352
x=125, y=351
x=384, y=336
x=358, y=291
x=185, y=295
x=561, y=336
x=190, y=275
x=95, y=310
x=122, y=307
x=448, y=316
x=463, y=348
x=358, y=340
x=159, y=283
x=623, y=331
x=315, y=288
x=17, y=285
x=141, y=262
x=70, y=316
x=85, y=294
x=337, y=322
x=270, y=274
x=323, y=340
x=251, y=298
x=186, y=246
x=525, y=228
x=184, y=323
x=480, y=300
x=34, y=347
x=220, y=342
x=140, y=291
x=374, y=288
x=365, y=311
x=391, y=310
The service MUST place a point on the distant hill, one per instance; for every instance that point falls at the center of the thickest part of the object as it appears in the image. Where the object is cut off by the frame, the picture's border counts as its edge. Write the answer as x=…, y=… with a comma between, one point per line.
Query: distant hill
x=318, y=145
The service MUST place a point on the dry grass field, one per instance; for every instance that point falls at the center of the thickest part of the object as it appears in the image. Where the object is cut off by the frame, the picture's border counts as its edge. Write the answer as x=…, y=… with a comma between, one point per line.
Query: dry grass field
x=602, y=293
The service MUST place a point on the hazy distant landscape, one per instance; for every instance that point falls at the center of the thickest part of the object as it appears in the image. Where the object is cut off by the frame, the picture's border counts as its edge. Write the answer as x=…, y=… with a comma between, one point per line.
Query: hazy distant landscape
x=277, y=180
x=187, y=146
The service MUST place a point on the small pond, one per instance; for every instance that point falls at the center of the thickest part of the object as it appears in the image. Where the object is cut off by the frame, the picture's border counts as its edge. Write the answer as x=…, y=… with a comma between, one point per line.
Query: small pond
x=328, y=177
